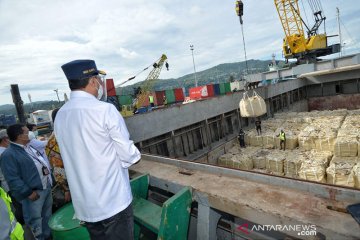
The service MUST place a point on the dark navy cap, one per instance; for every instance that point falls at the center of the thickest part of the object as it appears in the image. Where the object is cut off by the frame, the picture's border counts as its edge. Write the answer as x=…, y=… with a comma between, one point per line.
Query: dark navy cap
x=80, y=69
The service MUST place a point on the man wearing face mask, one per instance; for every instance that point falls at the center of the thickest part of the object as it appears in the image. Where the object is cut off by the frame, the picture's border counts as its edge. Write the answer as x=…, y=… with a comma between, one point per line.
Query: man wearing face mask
x=96, y=150
x=29, y=178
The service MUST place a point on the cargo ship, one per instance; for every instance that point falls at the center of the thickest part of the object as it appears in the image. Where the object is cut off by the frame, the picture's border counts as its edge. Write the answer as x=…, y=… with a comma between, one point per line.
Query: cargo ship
x=184, y=144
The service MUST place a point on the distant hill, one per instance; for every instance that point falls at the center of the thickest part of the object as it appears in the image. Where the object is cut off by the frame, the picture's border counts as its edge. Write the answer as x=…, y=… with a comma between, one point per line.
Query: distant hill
x=221, y=73
x=8, y=109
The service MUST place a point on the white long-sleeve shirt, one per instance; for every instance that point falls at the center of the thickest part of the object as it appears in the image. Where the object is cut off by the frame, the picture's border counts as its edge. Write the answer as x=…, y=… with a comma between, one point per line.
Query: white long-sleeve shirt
x=96, y=150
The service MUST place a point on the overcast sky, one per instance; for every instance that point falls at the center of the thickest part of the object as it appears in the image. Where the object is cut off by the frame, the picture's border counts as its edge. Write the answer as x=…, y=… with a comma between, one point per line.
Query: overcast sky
x=125, y=36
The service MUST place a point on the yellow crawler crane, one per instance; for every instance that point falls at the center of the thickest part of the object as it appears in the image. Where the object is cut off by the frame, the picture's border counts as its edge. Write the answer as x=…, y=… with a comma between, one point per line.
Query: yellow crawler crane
x=295, y=44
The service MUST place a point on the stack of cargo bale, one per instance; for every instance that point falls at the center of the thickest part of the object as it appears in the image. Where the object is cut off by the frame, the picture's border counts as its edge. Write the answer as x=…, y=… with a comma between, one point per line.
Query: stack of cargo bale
x=275, y=162
x=237, y=158
x=344, y=170
x=321, y=133
x=346, y=144
x=313, y=168
x=340, y=171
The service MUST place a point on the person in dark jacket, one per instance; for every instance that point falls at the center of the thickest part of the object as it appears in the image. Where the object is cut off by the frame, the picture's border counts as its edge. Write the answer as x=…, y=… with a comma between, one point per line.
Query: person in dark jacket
x=241, y=138
x=29, y=178
x=258, y=126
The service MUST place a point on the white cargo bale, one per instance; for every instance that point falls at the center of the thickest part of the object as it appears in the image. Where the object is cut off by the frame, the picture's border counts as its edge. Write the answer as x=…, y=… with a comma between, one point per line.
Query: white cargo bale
x=325, y=144
x=313, y=168
x=269, y=140
x=256, y=141
x=225, y=160
x=275, y=162
x=340, y=171
x=259, y=159
x=346, y=147
x=254, y=106
x=292, y=163
x=306, y=139
x=321, y=158
x=307, y=142
x=237, y=161
x=243, y=162
x=356, y=171
x=311, y=172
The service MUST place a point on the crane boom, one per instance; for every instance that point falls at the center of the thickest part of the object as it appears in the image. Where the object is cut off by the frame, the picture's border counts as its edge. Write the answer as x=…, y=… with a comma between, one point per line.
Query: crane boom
x=150, y=80
x=295, y=44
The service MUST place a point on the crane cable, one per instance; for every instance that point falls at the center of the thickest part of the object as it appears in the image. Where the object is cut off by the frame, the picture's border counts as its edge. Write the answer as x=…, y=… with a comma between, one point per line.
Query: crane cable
x=307, y=20
x=239, y=11
x=133, y=77
x=315, y=6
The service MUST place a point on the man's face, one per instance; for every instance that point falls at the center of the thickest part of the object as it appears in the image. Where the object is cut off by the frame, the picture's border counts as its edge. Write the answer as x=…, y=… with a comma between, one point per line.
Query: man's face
x=24, y=137
x=5, y=142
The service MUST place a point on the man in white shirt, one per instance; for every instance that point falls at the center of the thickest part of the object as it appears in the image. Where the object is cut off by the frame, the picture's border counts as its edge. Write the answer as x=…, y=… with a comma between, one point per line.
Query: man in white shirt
x=96, y=151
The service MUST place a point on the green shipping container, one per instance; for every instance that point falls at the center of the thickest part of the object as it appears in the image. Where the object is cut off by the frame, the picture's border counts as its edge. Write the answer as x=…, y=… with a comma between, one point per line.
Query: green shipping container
x=170, y=96
x=222, y=88
x=125, y=99
x=227, y=87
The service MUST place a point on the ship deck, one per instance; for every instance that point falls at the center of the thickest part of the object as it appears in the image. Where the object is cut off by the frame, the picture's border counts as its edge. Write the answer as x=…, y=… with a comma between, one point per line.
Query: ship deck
x=256, y=202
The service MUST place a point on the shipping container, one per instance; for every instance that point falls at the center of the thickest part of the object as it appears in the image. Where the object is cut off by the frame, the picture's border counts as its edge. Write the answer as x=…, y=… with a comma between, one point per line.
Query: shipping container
x=159, y=96
x=198, y=92
x=216, y=89
x=227, y=87
x=125, y=99
x=110, y=87
x=179, y=95
x=170, y=96
x=222, y=88
x=210, y=90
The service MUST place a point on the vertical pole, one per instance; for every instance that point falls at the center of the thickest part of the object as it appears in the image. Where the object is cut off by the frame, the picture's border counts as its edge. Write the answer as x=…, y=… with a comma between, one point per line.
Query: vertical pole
x=192, y=52
x=340, y=39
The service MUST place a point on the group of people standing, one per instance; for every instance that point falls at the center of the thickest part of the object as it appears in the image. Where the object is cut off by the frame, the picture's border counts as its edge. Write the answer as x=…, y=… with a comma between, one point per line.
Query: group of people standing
x=281, y=135
x=85, y=160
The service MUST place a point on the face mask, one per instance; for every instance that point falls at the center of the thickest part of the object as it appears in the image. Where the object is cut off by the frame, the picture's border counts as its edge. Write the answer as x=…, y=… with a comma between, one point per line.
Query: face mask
x=36, y=133
x=31, y=135
x=100, y=91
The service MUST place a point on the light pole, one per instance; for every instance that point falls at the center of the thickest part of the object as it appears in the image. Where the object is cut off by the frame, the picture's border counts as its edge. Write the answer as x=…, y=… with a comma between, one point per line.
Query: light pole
x=57, y=94
x=192, y=52
x=340, y=38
